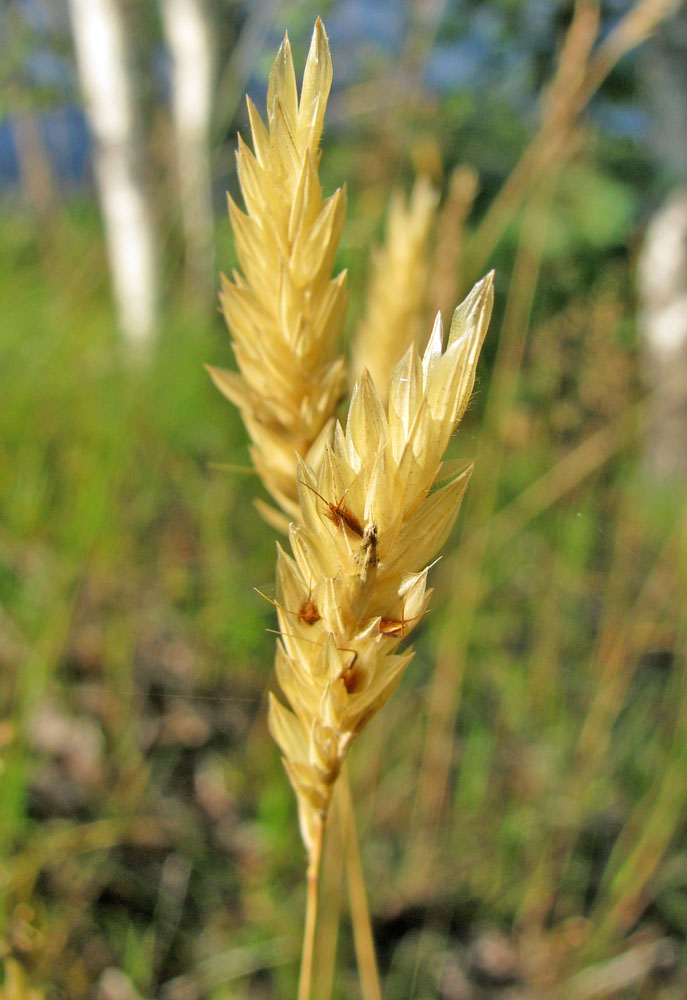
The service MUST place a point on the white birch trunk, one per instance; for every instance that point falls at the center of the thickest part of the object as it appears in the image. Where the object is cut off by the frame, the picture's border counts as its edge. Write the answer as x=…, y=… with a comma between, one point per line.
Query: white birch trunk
x=662, y=271
x=109, y=101
x=662, y=276
x=189, y=35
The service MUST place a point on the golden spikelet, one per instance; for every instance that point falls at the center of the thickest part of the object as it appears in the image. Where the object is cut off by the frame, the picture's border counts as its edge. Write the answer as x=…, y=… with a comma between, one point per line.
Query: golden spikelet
x=393, y=317
x=372, y=518
x=284, y=310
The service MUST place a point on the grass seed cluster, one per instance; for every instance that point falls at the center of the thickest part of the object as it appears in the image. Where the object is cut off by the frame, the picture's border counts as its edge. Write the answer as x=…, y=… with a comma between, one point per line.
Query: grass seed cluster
x=367, y=502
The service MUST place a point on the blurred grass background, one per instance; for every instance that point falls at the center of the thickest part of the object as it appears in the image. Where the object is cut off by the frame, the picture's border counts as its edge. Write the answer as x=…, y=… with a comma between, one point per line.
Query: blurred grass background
x=521, y=799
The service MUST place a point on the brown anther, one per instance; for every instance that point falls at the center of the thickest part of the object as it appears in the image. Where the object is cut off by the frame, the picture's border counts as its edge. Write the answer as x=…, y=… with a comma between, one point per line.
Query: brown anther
x=351, y=676
x=308, y=613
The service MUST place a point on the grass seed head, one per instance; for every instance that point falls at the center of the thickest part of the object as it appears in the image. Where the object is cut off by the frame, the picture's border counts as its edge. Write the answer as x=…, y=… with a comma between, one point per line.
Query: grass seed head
x=387, y=464
x=396, y=294
x=283, y=308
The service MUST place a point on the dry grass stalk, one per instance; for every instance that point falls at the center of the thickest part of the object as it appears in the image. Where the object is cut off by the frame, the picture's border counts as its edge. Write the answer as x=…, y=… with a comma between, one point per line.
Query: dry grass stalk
x=555, y=142
x=396, y=296
x=638, y=24
x=445, y=689
x=628, y=629
x=578, y=72
x=285, y=311
x=446, y=275
x=371, y=522
x=360, y=913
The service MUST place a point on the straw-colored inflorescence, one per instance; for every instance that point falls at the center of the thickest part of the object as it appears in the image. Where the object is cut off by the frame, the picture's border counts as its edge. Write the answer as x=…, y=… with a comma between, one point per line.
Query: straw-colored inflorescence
x=284, y=310
x=396, y=296
x=372, y=518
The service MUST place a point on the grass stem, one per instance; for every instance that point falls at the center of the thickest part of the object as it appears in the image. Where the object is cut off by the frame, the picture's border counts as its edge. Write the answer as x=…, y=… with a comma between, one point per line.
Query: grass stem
x=314, y=867
x=360, y=910
x=331, y=895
